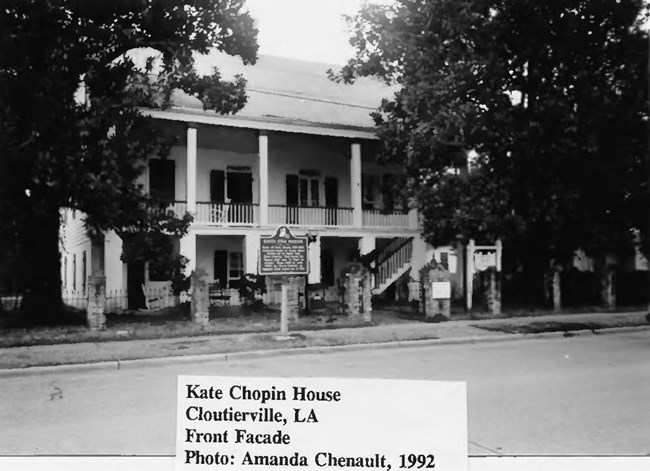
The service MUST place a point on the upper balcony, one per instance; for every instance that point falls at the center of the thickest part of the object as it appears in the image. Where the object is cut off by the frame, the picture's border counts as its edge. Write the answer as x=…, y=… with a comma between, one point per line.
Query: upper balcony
x=229, y=177
x=248, y=215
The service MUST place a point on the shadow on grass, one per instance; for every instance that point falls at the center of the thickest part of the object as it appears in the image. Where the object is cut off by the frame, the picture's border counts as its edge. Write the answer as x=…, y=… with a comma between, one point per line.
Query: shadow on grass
x=540, y=327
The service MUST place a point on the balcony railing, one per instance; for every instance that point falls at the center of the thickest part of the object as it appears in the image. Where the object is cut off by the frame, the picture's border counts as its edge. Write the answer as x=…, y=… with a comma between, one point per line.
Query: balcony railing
x=248, y=214
x=309, y=216
x=379, y=218
x=179, y=208
x=231, y=214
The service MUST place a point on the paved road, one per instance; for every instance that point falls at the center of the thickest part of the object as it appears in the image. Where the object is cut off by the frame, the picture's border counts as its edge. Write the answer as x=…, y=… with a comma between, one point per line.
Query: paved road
x=581, y=395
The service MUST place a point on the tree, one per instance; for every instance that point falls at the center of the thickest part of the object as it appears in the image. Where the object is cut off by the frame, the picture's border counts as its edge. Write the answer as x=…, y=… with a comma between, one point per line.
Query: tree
x=547, y=98
x=58, y=151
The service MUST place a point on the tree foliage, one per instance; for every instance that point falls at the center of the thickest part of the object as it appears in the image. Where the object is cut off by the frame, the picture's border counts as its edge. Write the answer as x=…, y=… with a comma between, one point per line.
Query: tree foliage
x=59, y=151
x=547, y=98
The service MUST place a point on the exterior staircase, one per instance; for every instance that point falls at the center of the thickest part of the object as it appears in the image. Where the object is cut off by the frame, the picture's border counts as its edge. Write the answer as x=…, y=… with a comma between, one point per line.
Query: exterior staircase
x=391, y=263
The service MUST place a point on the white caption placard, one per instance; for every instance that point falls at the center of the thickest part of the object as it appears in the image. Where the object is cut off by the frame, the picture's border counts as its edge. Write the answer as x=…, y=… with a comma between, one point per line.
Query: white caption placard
x=440, y=290
x=320, y=424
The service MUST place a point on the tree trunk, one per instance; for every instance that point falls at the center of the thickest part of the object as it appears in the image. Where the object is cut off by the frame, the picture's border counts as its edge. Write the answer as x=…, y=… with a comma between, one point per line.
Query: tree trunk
x=40, y=268
x=608, y=287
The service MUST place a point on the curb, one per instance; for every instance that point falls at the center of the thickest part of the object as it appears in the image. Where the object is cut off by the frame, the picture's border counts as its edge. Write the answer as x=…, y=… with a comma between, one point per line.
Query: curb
x=117, y=365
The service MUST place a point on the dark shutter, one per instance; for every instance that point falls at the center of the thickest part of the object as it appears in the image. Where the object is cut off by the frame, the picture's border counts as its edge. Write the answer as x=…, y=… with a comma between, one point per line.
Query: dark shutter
x=388, y=190
x=327, y=267
x=291, y=216
x=221, y=267
x=331, y=192
x=247, y=187
x=292, y=190
x=217, y=186
x=162, y=178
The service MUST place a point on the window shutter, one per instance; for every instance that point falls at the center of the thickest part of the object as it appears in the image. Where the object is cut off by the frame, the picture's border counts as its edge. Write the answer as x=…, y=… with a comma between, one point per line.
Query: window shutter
x=217, y=184
x=247, y=187
x=331, y=192
x=292, y=190
x=169, y=169
x=327, y=267
x=162, y=178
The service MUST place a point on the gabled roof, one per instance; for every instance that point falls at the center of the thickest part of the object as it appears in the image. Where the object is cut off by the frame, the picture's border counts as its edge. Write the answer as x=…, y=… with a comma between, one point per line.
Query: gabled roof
x=283, y=90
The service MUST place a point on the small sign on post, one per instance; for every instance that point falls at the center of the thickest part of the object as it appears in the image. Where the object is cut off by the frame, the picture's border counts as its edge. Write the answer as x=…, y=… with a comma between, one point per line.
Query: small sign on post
x=440, y=290
x=284, y=254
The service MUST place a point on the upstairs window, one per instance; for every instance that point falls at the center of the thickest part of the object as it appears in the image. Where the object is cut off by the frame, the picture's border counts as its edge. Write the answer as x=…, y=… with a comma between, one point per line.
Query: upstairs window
x=304, y=189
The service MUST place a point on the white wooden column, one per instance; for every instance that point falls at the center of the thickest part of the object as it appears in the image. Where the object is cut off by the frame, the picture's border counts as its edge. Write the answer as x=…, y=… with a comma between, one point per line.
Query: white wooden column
x=418, y=257
x=355, y=182
x=251, y=252
x=188, y=250
x=264, y=178
x=191, y=169
x=314, y=254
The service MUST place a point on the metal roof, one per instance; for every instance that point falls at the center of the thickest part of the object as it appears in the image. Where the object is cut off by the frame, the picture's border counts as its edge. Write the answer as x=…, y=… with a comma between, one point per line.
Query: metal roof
x=294, y=91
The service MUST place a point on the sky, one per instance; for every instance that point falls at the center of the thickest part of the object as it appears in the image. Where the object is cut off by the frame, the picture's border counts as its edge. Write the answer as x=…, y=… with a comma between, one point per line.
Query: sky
x=304, y=29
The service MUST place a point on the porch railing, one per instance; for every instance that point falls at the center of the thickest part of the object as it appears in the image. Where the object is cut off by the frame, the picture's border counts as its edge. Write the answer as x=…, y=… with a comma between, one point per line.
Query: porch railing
x=379, y=218
x=227, y=213
x=179, y=208
x=309, y=216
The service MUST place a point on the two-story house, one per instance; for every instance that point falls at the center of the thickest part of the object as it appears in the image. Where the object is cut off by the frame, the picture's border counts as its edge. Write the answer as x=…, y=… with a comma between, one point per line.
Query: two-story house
x=299, y=154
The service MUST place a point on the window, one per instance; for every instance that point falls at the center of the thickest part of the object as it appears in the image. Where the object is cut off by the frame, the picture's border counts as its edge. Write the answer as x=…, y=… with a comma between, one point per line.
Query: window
x=228, y=268
x=162, y=178
x=370, y=190
x=235, y=269
x=235, y=185
x=304, y=189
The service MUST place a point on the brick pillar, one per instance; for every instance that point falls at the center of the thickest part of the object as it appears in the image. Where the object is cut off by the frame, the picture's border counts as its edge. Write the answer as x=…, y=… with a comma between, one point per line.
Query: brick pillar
x=95, y=313
x=353, y=295
x=414, y=291
x=608, y=287
x=200, y=297
x=434, y=273
x=294, y=284
x=493, y=292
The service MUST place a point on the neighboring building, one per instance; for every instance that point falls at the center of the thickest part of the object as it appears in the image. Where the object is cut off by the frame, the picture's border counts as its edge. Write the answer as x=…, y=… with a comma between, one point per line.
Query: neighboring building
x=299, y=154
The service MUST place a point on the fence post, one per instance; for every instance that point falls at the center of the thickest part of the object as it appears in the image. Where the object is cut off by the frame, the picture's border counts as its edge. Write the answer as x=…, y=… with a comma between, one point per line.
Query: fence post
x=95, y=313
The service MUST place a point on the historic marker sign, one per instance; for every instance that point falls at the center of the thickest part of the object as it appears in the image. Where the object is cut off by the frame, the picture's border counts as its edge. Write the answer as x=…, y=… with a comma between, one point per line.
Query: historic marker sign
x=283, y=254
